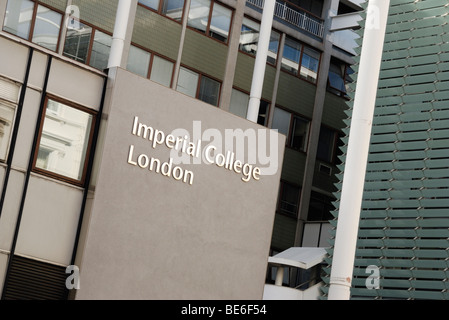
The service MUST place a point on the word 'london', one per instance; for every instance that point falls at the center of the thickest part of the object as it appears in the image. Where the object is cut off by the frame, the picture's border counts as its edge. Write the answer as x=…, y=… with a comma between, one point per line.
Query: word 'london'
x=181, y=144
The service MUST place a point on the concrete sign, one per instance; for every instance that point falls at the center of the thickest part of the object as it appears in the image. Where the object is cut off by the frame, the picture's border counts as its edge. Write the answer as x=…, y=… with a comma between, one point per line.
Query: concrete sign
x=184, y=201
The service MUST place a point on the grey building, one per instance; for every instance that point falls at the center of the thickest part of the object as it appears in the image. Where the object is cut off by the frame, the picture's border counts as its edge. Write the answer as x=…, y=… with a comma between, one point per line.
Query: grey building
x=57, y=98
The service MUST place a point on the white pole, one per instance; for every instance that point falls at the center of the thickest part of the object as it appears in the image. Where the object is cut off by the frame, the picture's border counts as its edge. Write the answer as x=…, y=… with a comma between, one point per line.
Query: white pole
x=261, y=60
x=357, y=153
x=119, y=35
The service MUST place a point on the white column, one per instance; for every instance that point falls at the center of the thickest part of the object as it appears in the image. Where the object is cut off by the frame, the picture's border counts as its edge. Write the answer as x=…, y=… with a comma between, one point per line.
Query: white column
x=119, y=35
x=261, y=60
x=358, y=147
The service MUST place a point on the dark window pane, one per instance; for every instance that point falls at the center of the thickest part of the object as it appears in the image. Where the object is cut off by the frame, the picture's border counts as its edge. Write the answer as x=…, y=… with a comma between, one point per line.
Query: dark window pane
x=300, y=133
x=326, y=144
x=77, y=41
x=289, y=199
x=320, y=207
x=209, y=91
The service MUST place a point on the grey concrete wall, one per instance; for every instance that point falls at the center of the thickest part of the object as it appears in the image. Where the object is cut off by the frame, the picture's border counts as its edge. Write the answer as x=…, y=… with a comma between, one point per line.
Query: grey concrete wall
x=152, y=237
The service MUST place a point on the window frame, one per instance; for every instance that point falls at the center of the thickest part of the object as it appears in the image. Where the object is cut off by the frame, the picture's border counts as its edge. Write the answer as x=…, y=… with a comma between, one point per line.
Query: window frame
x=301, y=55
x=54, y=175
x=337, y=134
x=150, y=64
x=200, y=75
x=91, y=42
x=289, y=140
x=159, y=10
x=36, y=5
x=209, y=18
x=281, y=190
x=337, y=91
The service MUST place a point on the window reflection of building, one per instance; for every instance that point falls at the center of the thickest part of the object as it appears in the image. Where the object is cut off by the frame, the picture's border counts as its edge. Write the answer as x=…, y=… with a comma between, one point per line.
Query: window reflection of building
x=64, y=140
x=9, y=93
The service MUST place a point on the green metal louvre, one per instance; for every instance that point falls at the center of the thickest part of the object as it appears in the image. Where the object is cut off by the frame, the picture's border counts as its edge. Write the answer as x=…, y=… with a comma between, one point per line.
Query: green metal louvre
x=404, y=224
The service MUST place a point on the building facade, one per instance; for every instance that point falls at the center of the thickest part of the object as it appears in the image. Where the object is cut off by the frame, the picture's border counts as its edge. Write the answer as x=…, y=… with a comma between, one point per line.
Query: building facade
x=54, y=56
x=402, y=248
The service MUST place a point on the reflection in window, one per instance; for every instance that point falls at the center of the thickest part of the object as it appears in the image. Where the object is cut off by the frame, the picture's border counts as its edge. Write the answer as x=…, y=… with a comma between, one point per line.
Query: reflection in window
x=288, y=199
x=187, y=82
x=198, y=86
x=209, y=90
x=281, y=121
x=239, y=106
x=339, y=77
x=138, y=61
x=101, y=48
x=6, y=122
x=249, y=36
x=300, y=60
x=294, y=127
x=161, y=71
x=9, y=93
x=64, y=141
x=20, y=15
x=77, y=42
x=217, y=26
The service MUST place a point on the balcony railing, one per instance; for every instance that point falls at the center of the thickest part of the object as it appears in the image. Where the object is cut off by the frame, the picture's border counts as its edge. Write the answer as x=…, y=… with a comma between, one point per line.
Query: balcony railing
x=295, y=16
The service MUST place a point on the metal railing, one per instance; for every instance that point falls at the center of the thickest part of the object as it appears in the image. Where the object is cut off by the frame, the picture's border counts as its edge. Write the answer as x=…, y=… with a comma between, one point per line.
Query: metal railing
x=295, y=16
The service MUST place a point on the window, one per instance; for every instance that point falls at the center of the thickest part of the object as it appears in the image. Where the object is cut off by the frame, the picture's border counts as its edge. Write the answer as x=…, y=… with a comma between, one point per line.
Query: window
x=33, y=22
x=79, y=47
x=295, y=127
x=9, y=94
x=64, y=141
x=239, y=106
x=329, y=145
x=339, y=77
x=198, y=86
x=320, y=207
x=249, y=38
x=288, y=199
x=210, y=18
x=170, y=8
x=300, y=60
x=149, y=65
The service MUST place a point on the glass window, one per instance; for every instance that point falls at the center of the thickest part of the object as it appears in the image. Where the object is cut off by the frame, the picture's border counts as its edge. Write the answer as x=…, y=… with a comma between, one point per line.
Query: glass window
x=239, y=103
x=77, y=42
x=209, y=90
x=249, y=36
x=320, y=207
x=336, y=80
x=46, y=28
x=64, y=141
x=19, y=15
x=300, y=133
x=289, y=199
x=7, y=111
x=273, y=47
x=101, y=48
x=309, y=64
x=153, y=4
x=264, y=107
x=220, y=22
x=138, y=61
x=281, y=121
x=199, y=14
x=161, y=71
x=173, y=9
x=187, y=82
x=326, y=144
x=292, y=55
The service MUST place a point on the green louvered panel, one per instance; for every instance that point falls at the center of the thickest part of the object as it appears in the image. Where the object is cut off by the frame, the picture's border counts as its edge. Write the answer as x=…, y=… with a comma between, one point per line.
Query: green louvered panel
x=404, y=220
x=98, y=12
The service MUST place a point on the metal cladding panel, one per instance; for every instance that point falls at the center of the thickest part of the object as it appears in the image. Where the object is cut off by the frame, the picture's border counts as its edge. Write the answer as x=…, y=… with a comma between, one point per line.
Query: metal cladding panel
x=403, y=230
